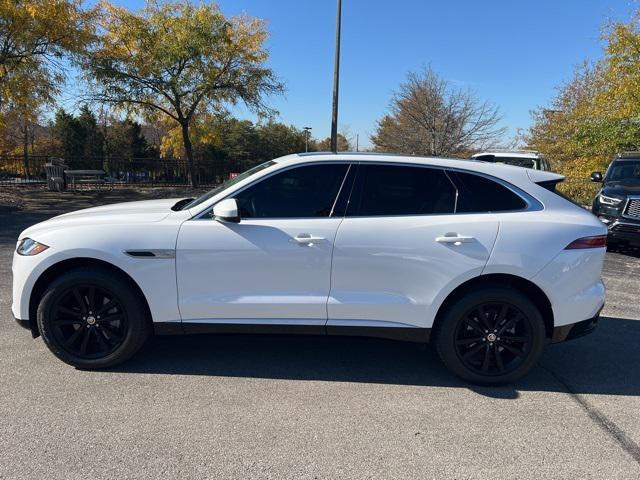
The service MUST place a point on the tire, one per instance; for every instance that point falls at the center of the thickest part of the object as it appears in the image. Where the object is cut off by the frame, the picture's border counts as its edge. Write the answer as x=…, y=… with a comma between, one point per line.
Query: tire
x=91, y=318
x=479, y=336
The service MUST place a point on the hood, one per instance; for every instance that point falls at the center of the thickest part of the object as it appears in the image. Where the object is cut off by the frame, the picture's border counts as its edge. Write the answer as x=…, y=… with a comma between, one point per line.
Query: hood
x=622, y=188
x=146, y=211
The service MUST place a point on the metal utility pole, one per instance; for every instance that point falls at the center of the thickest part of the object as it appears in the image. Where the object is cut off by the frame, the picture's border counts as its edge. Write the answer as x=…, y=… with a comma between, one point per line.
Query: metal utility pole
x=336, y=81
x=357, y=142
x=307, y=131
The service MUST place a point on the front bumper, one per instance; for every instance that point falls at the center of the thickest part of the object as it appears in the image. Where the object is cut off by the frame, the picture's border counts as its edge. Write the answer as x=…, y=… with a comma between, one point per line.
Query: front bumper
x=575, y=330
x=621, y=228
x=625, y=231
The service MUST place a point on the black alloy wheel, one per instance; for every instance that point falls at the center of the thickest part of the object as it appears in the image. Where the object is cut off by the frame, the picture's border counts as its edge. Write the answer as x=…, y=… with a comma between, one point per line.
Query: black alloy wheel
x=93, y=318
x=491, y=335
x=89, y=322
x=494, y=338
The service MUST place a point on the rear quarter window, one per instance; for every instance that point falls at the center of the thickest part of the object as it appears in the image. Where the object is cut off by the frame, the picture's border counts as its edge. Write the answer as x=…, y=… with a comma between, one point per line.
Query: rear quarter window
x=478, y=194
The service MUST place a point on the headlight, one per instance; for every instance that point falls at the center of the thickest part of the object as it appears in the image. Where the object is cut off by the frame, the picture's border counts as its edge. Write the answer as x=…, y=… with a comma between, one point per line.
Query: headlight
x=29, y=247
x=609, y=200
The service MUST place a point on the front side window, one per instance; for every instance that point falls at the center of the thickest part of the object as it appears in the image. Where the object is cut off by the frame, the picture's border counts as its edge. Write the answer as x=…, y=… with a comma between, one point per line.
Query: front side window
x=401, y=190
x=477, y=194
x=300, y=192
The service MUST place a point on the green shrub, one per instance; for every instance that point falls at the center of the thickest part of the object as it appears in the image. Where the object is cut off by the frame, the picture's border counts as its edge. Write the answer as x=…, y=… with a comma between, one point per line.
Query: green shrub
x=580, y=190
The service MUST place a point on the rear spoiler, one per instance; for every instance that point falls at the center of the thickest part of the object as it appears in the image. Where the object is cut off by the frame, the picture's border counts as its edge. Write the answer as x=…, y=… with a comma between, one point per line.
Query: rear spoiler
x=547, y=180
x=540, y=176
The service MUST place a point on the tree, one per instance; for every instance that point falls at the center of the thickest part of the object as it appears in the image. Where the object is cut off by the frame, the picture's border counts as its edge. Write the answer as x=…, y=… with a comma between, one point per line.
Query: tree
x=428, y=116
x=35, y=36
x=182, y=60
x=69, y=135
x=565, y=131
x=277, y=139
x=227, y=138
x=20, y=126
x=343, y=144
x=621, y=98
x=93, y=137
x=79, y=139
x=596, y=114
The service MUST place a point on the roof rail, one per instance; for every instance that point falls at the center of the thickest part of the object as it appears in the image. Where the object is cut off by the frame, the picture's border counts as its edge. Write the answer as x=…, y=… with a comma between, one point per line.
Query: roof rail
x=372, y=154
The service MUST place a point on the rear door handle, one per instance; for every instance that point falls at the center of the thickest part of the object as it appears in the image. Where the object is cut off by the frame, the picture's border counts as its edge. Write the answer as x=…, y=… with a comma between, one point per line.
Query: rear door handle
x=454, y=238
x=307, y=239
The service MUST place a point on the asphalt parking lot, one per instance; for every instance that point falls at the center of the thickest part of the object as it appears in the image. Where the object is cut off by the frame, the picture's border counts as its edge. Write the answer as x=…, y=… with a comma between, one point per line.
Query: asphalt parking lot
x=318, y=408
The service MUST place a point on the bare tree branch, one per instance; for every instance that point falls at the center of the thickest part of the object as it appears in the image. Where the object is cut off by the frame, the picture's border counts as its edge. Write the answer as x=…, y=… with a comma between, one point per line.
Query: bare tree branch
x=430, y=117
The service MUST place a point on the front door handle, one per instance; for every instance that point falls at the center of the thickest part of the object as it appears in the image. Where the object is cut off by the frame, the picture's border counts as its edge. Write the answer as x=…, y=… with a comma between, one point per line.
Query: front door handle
x=307, y=239
x=454, y=238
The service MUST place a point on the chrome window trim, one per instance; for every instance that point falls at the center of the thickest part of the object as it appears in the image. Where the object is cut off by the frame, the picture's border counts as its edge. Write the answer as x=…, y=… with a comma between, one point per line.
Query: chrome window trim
x=533, y=204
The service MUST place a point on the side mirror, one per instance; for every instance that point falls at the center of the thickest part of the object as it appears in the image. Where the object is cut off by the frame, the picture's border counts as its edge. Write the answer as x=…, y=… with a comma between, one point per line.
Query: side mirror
x=226, y=211
x=596, y=177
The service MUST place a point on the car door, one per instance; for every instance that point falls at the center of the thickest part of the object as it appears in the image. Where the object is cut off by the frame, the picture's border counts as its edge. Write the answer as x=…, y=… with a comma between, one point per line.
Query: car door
x=401, y=247
x=273, y=267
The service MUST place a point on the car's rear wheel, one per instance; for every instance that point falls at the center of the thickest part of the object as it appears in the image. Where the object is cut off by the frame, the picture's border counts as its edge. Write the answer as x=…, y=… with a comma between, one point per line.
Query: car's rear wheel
x=493, y=335
x=91, y=318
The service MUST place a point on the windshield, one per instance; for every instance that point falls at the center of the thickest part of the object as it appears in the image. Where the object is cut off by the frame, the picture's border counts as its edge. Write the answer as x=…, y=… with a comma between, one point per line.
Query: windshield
x=624, y=171
x=229, y=183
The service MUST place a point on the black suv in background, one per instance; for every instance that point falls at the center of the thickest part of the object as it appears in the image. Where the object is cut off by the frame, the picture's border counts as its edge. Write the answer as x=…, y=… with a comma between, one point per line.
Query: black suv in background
x=617, y=203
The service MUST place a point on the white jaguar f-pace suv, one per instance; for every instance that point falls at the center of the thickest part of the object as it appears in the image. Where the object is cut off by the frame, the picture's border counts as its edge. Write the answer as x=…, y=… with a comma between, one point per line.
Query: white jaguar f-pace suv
x=485, y=260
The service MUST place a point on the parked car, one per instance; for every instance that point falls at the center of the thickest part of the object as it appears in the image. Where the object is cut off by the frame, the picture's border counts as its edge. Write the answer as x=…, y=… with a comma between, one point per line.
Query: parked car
x=485, y=260
x=518, y=158
x=617, y=203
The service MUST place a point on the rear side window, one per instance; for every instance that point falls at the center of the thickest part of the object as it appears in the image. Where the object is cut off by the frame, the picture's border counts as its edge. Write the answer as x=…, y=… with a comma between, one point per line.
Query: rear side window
x=301, y=192
x=477, y=194
x=401, y=190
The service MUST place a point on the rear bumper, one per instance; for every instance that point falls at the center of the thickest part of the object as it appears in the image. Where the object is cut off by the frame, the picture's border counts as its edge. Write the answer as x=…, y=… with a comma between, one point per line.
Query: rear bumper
x=575, y=330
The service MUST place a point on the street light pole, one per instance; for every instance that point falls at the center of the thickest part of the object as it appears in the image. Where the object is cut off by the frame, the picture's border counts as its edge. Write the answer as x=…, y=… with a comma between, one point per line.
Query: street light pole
x=336, y=81
x=307, y=131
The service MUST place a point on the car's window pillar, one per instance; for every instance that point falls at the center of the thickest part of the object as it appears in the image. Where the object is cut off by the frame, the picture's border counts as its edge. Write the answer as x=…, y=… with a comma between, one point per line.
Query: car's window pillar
x=343, y=198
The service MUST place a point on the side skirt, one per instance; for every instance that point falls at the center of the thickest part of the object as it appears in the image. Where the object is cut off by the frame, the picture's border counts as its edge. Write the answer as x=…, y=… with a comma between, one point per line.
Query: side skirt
x=416, y=335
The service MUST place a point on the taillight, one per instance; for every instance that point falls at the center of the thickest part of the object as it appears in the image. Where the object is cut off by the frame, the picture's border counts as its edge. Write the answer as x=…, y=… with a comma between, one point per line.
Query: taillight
x=598, y=241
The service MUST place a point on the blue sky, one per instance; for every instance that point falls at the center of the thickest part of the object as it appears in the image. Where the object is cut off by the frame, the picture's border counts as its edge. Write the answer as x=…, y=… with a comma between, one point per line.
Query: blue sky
x=513, y=53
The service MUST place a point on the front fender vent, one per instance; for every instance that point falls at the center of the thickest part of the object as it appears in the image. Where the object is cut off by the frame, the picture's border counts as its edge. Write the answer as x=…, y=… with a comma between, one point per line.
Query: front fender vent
x=162, y=253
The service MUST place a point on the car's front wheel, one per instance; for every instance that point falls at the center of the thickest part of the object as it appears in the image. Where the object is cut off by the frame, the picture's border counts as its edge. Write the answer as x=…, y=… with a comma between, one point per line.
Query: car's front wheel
x=492, y=335
x=91, y=318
